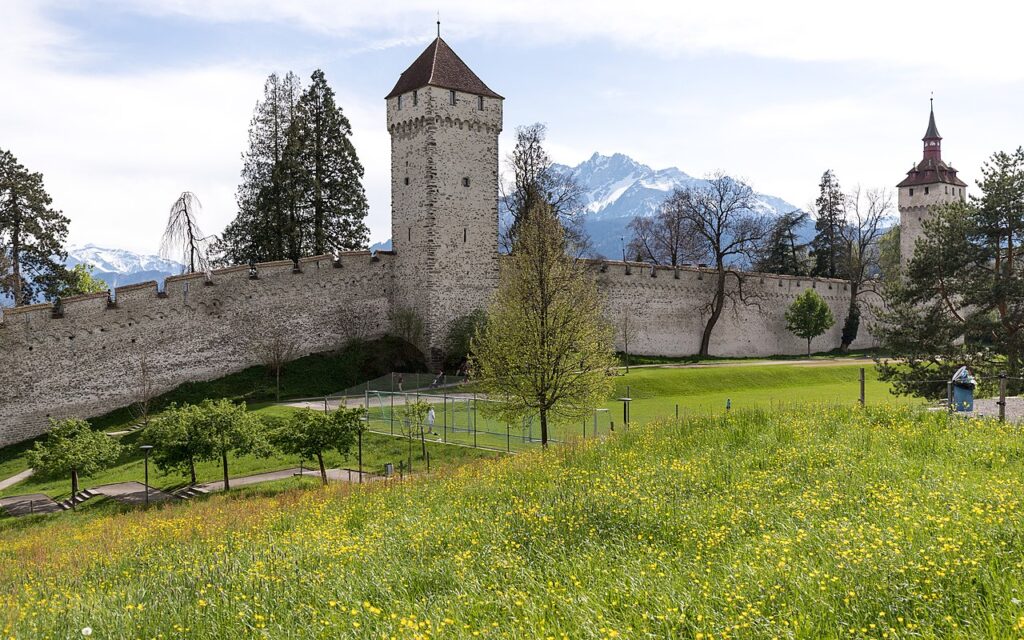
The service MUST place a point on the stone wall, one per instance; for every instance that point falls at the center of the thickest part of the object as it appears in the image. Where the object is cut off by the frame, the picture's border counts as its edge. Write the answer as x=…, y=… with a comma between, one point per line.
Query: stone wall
x=88, y=362
x=666, y=310
x=916, y=205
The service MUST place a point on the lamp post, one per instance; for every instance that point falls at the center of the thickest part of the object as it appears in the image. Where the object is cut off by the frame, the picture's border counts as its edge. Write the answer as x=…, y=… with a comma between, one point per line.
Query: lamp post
x=146, y=448
x=625, y=409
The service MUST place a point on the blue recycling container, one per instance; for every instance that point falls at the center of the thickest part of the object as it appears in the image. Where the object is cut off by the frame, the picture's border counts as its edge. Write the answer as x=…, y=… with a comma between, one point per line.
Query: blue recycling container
x=963, y=398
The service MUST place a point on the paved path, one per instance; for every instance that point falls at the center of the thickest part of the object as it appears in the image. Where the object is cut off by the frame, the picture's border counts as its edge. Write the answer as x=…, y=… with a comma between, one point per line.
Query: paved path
x=400, y=398
x=332, y=474
x=987, y=407
x=810, y=362
x=29, y=503
x=16, y=478
x=131, y=492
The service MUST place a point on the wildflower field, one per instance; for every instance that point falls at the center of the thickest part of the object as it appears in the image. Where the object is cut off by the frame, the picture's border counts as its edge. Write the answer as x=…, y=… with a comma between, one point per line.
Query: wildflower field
x=809, y=522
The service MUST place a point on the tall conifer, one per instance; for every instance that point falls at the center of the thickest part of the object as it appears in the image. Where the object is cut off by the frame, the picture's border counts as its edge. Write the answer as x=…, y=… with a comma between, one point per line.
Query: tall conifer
x=828, y=247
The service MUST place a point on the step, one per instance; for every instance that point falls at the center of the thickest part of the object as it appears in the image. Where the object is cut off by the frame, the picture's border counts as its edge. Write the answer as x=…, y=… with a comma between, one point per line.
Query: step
x=78, y=499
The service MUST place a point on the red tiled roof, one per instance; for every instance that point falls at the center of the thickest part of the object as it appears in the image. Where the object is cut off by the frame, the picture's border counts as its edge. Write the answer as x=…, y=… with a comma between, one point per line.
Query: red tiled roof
x=931, y=171
x=439, y=66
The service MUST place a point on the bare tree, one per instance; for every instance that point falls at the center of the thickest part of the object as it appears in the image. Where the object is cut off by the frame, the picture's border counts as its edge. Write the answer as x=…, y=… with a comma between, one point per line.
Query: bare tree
x=720, y=215
x=273, y=347
x=868, y=216
x=666, y=237
x=629, y=328
x=145, y=390
x=182, y=237
x=534, y=180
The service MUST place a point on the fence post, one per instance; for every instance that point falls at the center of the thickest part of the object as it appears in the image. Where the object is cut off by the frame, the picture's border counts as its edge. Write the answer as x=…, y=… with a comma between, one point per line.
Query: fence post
x=428, y=462
x=444, y=411
x=1002, y=397
x=508, y=436
x=949, y=397
x=862, y=386
x=474, y=419
x=325, y=404
x=361, y=452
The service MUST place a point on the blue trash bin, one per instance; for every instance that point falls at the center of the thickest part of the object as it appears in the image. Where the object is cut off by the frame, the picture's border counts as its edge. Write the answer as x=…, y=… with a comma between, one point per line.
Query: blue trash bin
x=963, y=398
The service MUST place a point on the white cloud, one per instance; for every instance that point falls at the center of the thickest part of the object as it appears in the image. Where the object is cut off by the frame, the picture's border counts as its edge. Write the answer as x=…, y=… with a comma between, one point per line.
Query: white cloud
x=979, y=39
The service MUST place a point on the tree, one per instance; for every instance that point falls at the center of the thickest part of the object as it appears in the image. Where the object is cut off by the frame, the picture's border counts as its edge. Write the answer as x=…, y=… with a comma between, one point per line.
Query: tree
x=407, y=324
x=182, y=238
x=231, y=429
x=827, y=247
x=145, y=389
x=666, y=237
x=809, y=316
x=628, y=328
x=545, y=348
x=889, y=254
x=783, y=253
x=274, y=346
x=535, y=181
x=330, y=175
x=414, y=416
x=266, y=199
x=962, y=299
x=79, y=281
x=719, y=213
x=179, y=439
x=460, y=337
x=32, y=233
x=72, y=447
x=867, y=214
x=309, y=434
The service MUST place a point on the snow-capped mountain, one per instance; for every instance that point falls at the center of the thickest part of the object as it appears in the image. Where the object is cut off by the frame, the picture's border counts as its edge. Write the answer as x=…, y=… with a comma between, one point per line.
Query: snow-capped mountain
x=118, y=267
x=617, y=188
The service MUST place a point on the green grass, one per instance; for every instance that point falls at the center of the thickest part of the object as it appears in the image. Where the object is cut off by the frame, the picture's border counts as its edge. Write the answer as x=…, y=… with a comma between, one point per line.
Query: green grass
x=815, y=522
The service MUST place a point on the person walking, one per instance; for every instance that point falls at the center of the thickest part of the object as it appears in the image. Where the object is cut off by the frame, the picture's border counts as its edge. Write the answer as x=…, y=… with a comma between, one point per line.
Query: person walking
x=430, y=420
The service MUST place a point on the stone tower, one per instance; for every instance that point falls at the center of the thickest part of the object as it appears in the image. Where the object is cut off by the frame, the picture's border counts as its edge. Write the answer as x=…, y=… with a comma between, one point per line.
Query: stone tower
x=930, y=183
x=444, y=124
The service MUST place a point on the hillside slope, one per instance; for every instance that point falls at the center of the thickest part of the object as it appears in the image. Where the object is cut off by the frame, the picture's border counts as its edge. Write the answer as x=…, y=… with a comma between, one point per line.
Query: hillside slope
x=815, y=523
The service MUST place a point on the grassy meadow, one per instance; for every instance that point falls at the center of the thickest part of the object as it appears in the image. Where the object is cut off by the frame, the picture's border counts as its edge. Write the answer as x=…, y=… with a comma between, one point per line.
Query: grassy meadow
x=810, y=522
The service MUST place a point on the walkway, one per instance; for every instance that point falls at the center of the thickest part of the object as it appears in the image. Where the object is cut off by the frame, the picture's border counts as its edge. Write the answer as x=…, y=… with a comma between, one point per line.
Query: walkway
x=29, y=504
x=133, y=493
x=338, y=475
x=16, y=478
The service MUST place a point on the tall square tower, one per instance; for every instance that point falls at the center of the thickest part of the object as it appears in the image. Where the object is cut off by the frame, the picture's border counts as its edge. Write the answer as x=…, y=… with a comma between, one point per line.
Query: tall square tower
x=444, y=124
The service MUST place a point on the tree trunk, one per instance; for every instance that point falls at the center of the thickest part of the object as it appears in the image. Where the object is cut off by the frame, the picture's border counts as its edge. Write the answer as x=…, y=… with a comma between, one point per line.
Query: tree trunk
x=716, y=311
x=423, y=441
x=192, y=468
x=544, y=428
x=323, y=469
x=278, y=377
x=74, y=485
x=224, y=462
x=808, y=347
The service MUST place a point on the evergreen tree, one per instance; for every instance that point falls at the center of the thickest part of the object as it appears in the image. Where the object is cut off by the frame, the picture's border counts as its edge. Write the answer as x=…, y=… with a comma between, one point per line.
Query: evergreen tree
x=828, y=247
x=32, y=234
x=262, y=228
x=328, y=173
x=962, y=299
x=783, y=252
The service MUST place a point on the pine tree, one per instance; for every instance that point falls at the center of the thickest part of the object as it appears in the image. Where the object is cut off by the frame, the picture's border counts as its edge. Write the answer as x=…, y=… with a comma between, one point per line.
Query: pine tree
x=262, y=228
x=783, y=252
x=328, y=173
x=827, y=247
x=32, y=234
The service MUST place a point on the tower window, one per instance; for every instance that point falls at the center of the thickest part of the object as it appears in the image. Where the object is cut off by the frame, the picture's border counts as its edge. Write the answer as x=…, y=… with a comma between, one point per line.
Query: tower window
x=415, y=98
x=911, y=192
x=399, y=102
x=480, y=103
x=451, y=97
x=947, y=191
x=926, y=191
x=465, y=182
x=406, y=180
x=410, y=234
x=464, y=233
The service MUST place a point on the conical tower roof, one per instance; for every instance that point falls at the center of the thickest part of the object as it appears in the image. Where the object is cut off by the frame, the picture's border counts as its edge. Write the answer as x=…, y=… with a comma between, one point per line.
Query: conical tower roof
x=439, y=66
x=933, y=131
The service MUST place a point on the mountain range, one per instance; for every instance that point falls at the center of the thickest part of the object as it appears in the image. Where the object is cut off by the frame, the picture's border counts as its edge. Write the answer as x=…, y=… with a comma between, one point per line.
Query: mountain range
x=615, y=189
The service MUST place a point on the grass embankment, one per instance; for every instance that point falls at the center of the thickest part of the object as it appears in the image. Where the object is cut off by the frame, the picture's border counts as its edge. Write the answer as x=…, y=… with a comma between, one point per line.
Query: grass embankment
x=811, y=523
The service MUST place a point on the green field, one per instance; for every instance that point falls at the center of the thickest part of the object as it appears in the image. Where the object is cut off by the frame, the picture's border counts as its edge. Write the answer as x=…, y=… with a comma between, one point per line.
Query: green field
x=815, y=522
x=655, y=393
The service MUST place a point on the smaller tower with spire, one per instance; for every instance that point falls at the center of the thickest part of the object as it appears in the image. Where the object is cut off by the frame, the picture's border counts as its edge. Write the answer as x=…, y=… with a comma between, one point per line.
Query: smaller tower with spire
x=929, y=183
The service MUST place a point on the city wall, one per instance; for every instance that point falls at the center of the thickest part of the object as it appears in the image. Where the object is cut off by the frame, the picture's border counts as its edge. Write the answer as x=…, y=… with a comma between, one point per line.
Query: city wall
x=666, y=311
x=90, y=360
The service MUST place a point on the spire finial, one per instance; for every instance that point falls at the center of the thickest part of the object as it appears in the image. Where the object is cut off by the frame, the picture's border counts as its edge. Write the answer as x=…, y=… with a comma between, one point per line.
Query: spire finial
x=931, y=102
x=438, y=24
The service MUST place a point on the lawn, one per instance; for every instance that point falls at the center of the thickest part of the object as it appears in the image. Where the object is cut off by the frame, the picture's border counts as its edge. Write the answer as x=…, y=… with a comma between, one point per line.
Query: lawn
x=812, y=522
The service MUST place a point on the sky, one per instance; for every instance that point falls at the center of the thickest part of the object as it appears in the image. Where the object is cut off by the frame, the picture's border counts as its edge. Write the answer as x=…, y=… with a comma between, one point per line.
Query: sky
x=124, y=104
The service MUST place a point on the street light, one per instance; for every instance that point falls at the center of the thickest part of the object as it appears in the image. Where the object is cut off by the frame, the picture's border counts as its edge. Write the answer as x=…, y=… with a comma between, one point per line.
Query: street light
x=625, y=409
x=145, y=451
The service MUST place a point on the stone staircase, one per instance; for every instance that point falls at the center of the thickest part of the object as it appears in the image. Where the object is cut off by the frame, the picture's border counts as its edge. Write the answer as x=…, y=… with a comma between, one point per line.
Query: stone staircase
x=77, y=499
x=190, y=492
